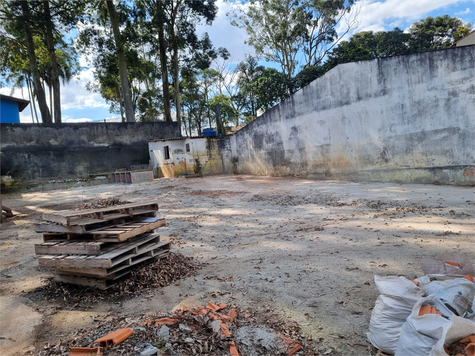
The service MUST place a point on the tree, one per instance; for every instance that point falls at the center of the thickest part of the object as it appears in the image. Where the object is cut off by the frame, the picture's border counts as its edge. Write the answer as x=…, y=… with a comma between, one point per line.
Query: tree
x=423, y=35
x=270, y=88
x=129, y=110
x=20, y=22
x=228, y=113
x=54, y=59
x=281, y=30
x=248, y=72
x=436, y=33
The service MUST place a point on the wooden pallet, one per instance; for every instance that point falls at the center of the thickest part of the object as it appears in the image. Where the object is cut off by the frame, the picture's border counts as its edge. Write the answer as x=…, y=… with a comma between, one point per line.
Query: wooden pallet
x=70, y=217
x=77, y=247
x=128, y=230
x=116, y=271
x=124, y=253
x=98, y=282
x=85, y=225
x=113, y=233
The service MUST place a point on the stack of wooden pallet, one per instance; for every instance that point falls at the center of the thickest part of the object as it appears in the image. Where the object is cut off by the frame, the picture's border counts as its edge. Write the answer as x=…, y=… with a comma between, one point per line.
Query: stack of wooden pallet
x=95, y=247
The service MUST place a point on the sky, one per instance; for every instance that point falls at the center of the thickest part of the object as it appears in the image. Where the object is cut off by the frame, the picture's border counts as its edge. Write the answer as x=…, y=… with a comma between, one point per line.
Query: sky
x=80, y=105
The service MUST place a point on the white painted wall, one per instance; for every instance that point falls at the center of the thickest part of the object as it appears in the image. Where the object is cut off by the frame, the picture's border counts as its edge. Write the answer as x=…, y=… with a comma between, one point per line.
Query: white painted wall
x=405, y=118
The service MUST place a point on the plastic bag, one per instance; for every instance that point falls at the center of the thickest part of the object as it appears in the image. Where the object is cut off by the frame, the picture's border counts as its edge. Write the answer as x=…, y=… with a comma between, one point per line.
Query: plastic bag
x=420, y=335
x=459, y=329
x=457, y=266
x=458, y=293
x=393, y=306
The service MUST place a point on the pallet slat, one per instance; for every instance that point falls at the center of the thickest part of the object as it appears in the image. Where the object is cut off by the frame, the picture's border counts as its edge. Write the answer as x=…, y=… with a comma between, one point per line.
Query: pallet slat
x=107, y=260
x=67, y=217
x=104, y=281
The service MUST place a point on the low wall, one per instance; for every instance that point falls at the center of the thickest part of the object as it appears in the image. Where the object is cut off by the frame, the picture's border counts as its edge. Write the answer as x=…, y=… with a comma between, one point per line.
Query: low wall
x=39, y=152
x=400, y=119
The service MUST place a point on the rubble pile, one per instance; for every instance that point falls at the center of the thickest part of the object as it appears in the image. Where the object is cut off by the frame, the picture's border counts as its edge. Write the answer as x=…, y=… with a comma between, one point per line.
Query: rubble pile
x=214, y=330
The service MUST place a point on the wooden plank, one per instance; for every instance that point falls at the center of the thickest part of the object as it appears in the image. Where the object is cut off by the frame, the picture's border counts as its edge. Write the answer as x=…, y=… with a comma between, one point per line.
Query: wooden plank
x=45, y=227
x=65, y=217
x=84, y=226
x=106, y=260
x=146, y=227
x=114, y=272
x=70, y=247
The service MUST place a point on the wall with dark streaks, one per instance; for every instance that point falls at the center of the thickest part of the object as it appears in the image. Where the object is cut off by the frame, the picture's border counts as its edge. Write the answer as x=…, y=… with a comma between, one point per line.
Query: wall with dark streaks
x=39, y=152
x=402, y=119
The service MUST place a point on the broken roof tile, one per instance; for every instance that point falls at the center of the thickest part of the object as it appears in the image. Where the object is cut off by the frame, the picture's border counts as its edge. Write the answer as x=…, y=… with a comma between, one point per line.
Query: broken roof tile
x=114, y=338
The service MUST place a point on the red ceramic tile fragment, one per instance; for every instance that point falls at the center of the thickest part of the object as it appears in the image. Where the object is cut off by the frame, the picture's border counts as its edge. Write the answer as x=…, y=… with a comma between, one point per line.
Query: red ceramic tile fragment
x=233, y=349
x=165, y=321
x=114, y=338
x=86, y=351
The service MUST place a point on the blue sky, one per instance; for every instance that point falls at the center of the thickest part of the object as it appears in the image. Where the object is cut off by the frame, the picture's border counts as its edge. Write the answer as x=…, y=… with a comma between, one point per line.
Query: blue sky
x=80, y=105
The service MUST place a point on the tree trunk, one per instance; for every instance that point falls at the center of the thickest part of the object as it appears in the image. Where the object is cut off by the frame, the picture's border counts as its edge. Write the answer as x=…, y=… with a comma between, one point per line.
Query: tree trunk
x=176, y=81
x=32, y=100
x=40, y=92
x=50, y=89
x=163, y=65
x=129, y=109
x=54, y=65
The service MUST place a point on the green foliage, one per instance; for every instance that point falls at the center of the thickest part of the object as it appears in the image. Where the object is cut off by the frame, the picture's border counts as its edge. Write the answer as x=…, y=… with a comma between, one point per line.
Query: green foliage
x=424, y=35
x=228, y=113
x=281, y=30
x=436, y=33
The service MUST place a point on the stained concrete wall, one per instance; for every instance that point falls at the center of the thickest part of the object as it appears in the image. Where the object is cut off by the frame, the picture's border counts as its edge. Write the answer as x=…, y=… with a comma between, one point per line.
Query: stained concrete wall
x=401, y=119
x=38, y=152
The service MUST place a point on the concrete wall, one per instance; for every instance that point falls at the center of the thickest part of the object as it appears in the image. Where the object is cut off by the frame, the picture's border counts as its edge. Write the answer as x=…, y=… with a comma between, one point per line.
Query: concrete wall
x=402, y=119
x=38, y=152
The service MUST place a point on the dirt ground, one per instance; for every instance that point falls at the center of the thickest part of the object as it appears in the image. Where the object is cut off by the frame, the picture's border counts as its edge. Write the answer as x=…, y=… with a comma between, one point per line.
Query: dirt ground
x=310, y=249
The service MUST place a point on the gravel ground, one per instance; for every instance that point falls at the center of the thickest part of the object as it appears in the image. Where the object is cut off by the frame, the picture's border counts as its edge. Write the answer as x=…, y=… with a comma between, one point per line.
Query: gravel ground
x=309, y=249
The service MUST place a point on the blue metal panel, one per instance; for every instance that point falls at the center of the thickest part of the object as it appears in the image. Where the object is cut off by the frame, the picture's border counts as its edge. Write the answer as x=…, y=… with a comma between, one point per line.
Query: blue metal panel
x=9, y=111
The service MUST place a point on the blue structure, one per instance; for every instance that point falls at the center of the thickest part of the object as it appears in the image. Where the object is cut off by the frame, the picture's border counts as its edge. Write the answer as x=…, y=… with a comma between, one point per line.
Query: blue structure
x=10, y=108
x=210, y=132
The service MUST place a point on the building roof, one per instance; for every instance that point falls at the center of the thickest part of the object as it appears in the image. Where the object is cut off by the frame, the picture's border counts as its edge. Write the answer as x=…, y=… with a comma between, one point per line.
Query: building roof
x=455, y=44
x=176, y=138
x=22, y=103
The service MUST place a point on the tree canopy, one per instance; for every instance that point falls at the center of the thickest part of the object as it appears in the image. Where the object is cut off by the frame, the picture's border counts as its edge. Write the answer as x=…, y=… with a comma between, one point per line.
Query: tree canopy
x=151, y=63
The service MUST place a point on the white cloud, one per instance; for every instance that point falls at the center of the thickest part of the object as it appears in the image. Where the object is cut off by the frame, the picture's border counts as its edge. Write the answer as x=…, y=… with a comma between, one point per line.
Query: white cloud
x=84, y=119
x=467, y=11
x=377, y=14
x=113, y=119
x=223, y=34
x=75, y=95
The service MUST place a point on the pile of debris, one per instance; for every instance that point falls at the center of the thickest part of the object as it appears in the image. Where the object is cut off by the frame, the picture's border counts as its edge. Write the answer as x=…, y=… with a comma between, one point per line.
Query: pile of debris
x=431, y=315
x=96, y=247
x=214, y=330
x=144, y=279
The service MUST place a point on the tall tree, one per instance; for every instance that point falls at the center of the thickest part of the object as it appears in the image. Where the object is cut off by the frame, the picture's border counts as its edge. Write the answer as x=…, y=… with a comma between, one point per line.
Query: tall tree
x=436, y=33
x=20, y=22
x=56, y=109
x=281, y=30
x=129, y=110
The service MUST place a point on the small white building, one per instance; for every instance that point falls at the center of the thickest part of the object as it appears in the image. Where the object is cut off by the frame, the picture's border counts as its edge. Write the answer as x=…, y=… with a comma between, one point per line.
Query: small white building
x=184, y=156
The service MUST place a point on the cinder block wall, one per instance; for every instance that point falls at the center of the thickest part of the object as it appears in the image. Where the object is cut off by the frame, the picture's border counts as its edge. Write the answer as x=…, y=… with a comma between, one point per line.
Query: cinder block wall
x=39, y=152
x=397, y=119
